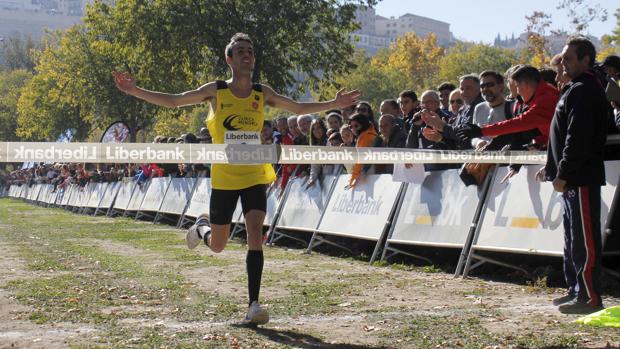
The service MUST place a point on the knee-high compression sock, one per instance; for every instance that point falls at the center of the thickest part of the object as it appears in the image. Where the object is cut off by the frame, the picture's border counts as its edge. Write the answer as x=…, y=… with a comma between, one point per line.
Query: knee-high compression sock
x=254, y=264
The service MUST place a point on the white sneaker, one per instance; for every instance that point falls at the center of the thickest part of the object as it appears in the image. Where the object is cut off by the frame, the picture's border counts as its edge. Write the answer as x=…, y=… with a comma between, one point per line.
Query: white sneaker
x=257, y=315
x=196, y=232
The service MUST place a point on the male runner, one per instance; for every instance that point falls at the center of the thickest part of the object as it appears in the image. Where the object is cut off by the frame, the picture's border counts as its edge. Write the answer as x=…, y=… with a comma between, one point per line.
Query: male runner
x=237, y=106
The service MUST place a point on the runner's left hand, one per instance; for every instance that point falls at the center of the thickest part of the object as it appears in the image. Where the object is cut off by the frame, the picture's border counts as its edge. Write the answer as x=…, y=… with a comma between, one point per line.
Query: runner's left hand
x=345, y=99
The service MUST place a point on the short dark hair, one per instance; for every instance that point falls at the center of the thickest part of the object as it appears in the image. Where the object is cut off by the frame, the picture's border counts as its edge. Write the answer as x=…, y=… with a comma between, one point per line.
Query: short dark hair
x=511, y=70
x=235, y=39
x=526, y=73
x=584, y=47
x=409, y=94
x=497, y=76
x=612, y=61
x=446, y=86
x=471, y=77
x=391, y=102
x=267, y=123
x=362, y=120
x=548, y=76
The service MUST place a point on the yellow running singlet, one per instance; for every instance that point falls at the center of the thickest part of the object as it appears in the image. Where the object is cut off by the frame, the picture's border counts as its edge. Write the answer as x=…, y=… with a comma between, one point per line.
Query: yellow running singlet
x=236, y=121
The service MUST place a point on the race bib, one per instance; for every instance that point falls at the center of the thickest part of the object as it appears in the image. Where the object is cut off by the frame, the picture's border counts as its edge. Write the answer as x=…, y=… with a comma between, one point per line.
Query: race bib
x=241, y=137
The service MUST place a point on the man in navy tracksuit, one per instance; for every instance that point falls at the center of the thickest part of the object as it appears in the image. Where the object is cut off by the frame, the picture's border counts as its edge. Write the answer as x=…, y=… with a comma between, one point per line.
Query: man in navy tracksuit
x=575, y=165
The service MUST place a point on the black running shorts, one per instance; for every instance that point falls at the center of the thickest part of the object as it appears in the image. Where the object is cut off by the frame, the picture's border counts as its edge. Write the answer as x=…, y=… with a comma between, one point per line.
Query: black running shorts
x=224, y=202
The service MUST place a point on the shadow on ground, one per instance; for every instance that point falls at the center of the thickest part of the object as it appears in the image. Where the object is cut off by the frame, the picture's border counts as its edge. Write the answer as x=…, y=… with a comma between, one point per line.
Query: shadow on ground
x=302, y=340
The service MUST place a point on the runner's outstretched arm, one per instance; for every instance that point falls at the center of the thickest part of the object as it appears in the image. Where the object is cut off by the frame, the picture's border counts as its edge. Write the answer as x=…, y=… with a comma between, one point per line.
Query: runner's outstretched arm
x=343, y=99
x=127, y=83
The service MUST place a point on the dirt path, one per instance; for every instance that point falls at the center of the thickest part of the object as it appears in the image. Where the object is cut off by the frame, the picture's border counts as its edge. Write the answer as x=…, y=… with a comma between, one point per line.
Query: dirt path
x=316, y=301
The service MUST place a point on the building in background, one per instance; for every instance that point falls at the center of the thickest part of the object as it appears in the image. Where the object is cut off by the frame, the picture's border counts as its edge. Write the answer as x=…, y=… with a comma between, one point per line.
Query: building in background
x=32, y=17
x=379, y=32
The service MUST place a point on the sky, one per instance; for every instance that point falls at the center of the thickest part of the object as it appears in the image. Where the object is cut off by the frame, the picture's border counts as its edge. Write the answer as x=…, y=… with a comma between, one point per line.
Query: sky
x=478, y=20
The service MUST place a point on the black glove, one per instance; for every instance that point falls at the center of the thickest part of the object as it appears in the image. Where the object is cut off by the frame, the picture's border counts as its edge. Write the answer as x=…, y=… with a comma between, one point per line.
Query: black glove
x=469, y=131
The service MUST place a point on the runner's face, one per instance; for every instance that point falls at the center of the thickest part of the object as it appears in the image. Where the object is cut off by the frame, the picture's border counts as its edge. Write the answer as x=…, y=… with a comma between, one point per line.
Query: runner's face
x=242, y=56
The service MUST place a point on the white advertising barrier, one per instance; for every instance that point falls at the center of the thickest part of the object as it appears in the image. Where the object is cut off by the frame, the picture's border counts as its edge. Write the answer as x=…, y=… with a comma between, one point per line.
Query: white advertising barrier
x=155, y=194
x=360, y=212
x=96, y=195
x=110, y=194
x=201, y=199
x=525, y=216
x=86, y=193
x=77, y=197
x=25, y=193
x=177, y=196
x=43, y=193
x=273, y=200
x=53, y=195
x=34, y=192
x=238, y=213
x=302, y=208
x=137, y=196
x=438, y=210
x=68, y=192
x=124, y=195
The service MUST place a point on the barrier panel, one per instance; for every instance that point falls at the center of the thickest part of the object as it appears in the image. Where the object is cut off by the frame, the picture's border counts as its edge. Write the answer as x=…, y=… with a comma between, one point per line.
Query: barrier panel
x=201, y=198
x=66, y=195
x=125, y=193
x=25, y=192
x=137, y=196
x=109, y=196
x=88, y=190
x=273, y=201
x=52, y=196
x=436, y=210
x=303, y=207
x=76, y=198
x=362, y=212
x=154, y=196
x=34, y=192
x=96, y=195
x=44, y=194
x=535, y=224
x=177, y=198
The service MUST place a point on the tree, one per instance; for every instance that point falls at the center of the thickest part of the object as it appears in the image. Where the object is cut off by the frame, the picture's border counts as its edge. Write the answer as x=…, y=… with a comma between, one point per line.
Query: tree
x=581, y=14
x=372, y=76
x=464, y=59
x=16, y=52
x=178, y=45
x=11, y=84
x=537, y=25
x=416, y=58
x=611, y=42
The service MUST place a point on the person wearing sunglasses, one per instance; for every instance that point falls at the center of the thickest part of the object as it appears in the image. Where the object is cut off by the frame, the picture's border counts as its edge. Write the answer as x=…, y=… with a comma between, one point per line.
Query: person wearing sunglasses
x=456, y=102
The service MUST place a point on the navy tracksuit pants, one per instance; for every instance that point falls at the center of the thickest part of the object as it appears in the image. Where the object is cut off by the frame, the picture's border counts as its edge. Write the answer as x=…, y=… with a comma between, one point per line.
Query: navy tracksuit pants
x=582, y=242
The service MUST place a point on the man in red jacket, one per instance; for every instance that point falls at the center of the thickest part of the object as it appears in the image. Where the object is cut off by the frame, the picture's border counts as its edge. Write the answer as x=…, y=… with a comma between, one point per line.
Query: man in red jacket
x=539, y=101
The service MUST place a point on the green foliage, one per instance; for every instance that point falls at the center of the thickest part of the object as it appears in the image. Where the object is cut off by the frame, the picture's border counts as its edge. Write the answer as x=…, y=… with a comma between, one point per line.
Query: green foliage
x=174, y=46
x=11, y=84
x=16, y=52
x=377, y=81
x=462, y=59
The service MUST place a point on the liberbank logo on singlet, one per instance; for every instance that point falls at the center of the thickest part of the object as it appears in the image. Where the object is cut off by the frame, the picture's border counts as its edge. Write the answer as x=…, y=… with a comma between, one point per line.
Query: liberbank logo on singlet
x=241, y=137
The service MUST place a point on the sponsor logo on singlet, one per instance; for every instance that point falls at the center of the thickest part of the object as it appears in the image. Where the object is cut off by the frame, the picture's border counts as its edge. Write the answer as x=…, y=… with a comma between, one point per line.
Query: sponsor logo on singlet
x=236, y=122
x=241, y=137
